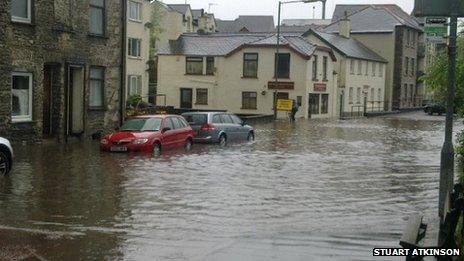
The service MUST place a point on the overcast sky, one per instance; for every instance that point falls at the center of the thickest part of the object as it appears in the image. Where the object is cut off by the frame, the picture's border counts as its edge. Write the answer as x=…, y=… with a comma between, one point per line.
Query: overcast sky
x=230, y=9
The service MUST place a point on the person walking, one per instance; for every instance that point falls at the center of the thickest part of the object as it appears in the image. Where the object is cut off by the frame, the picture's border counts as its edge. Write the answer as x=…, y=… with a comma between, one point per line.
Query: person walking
x=294, y=111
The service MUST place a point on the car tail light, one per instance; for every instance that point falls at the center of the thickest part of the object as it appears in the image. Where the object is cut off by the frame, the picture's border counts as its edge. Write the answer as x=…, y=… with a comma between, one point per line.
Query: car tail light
x=208, y=127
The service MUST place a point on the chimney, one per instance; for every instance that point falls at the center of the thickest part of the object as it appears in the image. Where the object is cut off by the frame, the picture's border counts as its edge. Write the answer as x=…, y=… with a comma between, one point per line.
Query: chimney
x=344, y=26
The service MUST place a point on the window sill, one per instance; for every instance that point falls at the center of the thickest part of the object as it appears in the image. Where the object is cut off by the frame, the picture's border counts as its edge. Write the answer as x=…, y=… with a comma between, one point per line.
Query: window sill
x=135, y=20
x=191, y=74
x=135, y=58
x=96, y=109
x=13, y=121
x=250, y=77
x=249, y=109
x=315, y=80
x=201, y=104
x=97, y=36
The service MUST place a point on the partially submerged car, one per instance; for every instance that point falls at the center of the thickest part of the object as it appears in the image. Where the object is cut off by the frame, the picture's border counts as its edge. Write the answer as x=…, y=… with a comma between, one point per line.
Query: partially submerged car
x=150, y=134
x=437, y=108
x=6, y=156
x=219, y=127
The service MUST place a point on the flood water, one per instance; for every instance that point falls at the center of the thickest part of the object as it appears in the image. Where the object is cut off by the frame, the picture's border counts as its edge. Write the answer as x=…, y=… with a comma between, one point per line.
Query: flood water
x=316, y=190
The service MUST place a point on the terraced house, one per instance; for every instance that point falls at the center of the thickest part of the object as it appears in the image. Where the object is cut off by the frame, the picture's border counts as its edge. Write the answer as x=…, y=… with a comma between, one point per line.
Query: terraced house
x=60, y=67
x=395, y=36
x=236, y=72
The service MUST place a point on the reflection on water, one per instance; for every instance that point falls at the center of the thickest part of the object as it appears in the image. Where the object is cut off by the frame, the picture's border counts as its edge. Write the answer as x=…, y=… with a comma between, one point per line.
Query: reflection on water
x=319, y=190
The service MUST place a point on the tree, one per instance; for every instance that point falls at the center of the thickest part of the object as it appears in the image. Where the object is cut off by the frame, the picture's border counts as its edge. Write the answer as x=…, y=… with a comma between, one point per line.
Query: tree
x=156, y=29
x=436, y=75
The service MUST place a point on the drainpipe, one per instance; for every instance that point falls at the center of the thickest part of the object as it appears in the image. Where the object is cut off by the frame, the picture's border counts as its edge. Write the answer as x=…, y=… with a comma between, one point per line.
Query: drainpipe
x=122, y=98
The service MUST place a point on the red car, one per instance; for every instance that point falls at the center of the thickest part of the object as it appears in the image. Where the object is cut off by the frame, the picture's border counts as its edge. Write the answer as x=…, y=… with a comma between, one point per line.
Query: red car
x=150, y=134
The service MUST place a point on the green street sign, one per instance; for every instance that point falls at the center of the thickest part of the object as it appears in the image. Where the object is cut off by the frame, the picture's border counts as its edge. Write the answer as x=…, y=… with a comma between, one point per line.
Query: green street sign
x=436, y=30
x=437, y=8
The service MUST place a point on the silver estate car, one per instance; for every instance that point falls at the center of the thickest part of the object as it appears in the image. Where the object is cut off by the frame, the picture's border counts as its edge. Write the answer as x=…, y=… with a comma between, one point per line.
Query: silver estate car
x=6, y=156
x=218, y=127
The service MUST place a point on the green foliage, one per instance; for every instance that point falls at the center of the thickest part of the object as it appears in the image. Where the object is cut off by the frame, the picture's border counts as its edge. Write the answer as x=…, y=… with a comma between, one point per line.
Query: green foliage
x=436, y=74
x=134, y=101
x=156, y=29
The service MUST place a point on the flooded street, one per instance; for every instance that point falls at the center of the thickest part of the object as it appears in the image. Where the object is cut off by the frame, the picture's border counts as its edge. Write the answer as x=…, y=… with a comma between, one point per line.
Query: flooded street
x=316, y=190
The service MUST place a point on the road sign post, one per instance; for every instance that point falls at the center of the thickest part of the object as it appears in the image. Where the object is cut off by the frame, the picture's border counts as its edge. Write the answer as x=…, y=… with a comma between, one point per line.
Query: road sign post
x=452, y=9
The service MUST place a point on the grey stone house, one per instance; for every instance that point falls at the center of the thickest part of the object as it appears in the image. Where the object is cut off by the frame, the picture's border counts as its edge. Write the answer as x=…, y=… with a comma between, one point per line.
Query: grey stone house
x=60, y=67
x=397, y=37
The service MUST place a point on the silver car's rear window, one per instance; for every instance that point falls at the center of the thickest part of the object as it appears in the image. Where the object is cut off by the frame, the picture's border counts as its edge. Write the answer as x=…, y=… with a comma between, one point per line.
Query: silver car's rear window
x=196, y=119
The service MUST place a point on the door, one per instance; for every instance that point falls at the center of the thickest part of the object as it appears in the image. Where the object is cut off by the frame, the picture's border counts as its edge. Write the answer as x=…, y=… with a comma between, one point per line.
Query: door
x=231, y=128
x=47, y=102
x=75, y=100
x=242, y=131
x=313, y=104
x=169, y=137
x=186, y=98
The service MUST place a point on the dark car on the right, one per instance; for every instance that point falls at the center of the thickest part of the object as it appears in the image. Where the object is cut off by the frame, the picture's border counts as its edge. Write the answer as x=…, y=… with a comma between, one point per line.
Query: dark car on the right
x=218, y=127
x=433, y=108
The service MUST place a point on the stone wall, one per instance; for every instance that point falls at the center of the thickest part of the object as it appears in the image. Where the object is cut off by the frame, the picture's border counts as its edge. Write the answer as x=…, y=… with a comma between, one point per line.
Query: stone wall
x=58, y=37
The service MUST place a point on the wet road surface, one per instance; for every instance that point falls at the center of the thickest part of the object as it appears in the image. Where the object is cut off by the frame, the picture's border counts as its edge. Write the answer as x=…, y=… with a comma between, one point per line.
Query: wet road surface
x=317, y=190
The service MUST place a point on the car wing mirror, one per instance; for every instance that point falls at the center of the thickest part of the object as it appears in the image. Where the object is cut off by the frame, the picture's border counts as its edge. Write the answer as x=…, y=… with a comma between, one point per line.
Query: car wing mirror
x=165, y=129
x=117, y=129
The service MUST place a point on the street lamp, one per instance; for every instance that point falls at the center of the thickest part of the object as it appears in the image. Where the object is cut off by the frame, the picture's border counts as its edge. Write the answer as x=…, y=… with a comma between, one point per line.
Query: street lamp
x=278, y=43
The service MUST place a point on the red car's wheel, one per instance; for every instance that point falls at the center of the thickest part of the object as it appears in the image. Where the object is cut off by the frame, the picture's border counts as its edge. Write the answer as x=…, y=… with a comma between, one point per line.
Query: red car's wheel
x=156, y=149
x=188, y=145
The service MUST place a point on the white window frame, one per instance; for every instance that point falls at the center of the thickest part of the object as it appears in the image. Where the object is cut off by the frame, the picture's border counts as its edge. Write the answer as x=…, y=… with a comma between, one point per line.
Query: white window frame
x=129, y=47
x=140, y=17
x=138, y=78
x=28, y=117
x=28, y=19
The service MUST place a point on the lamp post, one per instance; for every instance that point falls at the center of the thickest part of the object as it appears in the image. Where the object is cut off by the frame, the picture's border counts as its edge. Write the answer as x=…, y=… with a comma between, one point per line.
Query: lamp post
x=278, y=44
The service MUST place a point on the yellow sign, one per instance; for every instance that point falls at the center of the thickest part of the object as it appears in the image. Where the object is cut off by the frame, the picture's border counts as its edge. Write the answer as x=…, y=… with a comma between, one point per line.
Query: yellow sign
x=284, y=105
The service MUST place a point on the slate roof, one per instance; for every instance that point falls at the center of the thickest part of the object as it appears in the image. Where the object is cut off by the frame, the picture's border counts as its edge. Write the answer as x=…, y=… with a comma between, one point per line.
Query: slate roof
x=298, y=28
x=226, y=44
x=258, y=23
x=227, y=26
x=373, y=18
x=252, y=23
x=347, y=46
x=197, y=13
x=305, y=22
x=181, y=8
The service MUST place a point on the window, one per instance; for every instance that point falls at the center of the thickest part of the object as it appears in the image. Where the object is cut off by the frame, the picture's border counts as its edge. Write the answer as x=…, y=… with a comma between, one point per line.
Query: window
x=413, y=66
x=414, y=39
x=358, y=95
x=374, y=68
x=406, y=66
x=209, y=65
x=194, y=65
x=135, y=85
x=315, y=62
x=168, y=124
x=404, y=93
x=367, y=68
x=324, y=67
x=372, y=94
x=359, y=67
x=97, y=17
x=217, y=119
x=21, y=98
x=249, y=100
x=324, y=103
x=236, y=119
x=411, y=89
x=351, y=66
x=408, y=41
x=283, y=65
x=176, y=123
x=21, y=11
x=135, y=11
x=135, y=46
x=202, y=97
x=299, y=100
x=381, y=69
x=97, y=83
x=226, y=119
x=250, y=65
x=379, y=95
x=350, y=95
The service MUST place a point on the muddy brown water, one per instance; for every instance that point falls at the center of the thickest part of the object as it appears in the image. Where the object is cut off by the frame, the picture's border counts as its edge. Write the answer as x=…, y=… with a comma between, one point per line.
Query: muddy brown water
x=317, y=190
